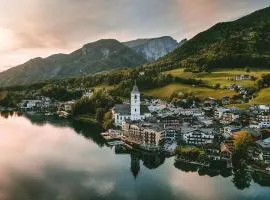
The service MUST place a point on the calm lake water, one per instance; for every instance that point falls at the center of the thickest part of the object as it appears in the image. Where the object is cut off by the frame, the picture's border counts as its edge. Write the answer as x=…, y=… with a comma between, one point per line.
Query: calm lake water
x=47, y=159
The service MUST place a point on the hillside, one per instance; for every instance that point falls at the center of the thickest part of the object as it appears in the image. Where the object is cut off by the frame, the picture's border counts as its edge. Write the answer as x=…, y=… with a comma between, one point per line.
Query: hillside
x=241, y=43
x=92, y=58
x=153, y=48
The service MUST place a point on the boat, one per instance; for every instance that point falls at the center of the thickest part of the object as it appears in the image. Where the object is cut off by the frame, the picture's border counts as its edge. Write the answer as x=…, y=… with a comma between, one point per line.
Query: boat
x=115, y=143
x=111, y=135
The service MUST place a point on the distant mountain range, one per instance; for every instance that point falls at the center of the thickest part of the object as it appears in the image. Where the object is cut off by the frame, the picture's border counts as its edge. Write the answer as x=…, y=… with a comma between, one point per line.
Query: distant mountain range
x=241, y=43
x=99, y=56
x=154, y=48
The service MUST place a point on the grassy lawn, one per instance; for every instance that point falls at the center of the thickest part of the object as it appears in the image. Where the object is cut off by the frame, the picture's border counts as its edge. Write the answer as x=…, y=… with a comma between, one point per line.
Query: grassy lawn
x=201, y=92
x=224, y=77
x=263, y=97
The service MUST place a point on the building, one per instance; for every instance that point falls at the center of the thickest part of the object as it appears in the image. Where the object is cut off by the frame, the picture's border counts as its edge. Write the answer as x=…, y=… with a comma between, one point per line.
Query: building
x=225, y=100
x=264, y=146
x=243, y=77
x=229, y=116
x=219, y=112
x=146, y=135
x=198, y=138
x=260, y=120
x=229, y=131
x=170, y=121
x=133, y=111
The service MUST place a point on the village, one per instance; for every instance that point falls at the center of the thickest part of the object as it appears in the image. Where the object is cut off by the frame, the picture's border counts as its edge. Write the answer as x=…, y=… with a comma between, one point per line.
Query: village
x=158, y=126
x=208, y=128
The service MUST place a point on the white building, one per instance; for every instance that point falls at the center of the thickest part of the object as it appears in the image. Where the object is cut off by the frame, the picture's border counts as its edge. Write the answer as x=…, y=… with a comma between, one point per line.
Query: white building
x=133, y=111
x=198, y=137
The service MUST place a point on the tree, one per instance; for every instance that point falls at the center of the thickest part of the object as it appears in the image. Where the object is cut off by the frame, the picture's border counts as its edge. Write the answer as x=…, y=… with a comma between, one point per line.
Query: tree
x=242, y=142
x=108, y=120
x=100, y=114
x=247, y=69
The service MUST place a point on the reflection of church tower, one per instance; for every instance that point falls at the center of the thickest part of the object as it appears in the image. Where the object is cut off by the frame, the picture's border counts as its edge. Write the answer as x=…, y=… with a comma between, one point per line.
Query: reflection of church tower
x=135, y=103
x=135, y=165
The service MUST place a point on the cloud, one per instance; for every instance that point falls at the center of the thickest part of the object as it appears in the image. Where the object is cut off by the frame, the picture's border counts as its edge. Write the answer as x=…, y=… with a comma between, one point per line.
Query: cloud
x=68, y=24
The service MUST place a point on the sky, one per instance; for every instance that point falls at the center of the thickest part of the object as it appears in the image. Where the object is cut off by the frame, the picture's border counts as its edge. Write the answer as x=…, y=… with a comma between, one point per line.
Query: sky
x=39, y=28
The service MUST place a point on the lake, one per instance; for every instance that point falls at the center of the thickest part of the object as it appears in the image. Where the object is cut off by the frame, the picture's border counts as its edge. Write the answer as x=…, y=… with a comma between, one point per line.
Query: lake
x=47, y=159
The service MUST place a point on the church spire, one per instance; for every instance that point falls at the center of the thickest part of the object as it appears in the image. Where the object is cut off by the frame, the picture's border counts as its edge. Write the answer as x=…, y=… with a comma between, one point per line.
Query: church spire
x=135, y=88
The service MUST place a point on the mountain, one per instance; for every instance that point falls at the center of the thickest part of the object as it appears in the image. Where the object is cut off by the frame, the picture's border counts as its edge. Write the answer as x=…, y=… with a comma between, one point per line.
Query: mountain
x=153, y=48
x=241, y=43
x=92, y=58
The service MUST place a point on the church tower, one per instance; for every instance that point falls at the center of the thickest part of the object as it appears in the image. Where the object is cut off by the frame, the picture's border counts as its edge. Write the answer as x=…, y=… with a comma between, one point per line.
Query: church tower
x=135, y=104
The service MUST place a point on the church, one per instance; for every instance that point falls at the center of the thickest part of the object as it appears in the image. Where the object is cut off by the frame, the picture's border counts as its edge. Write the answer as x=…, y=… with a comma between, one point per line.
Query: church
x=133, y=111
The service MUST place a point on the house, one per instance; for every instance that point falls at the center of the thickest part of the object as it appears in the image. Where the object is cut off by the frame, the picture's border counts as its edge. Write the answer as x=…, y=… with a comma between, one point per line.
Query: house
x=146, y=135
x=213, y=151
x=88, y=94
x=260, y=121
x=243, y=77
x=226, y=152
x=189, y=112
x=142, y=73
x=229, y=116
x=198, y=138
x=30, y=104
x=133, y=111
x=171, y=134
x=264, y=146
x=229, y=131
x=219, y=112
x=225, y=100
x=170, y=121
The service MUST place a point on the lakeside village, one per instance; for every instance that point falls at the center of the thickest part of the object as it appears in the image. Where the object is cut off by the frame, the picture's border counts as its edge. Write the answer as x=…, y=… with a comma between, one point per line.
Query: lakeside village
x=202, y=134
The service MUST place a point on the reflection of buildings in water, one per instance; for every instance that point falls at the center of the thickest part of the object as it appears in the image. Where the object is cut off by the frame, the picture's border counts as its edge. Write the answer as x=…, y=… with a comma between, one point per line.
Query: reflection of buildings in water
x=150, y=160
x=262, y=179
x=134, y=165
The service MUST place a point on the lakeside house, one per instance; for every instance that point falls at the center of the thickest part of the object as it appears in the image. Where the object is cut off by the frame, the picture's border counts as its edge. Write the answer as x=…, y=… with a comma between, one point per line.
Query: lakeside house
x=146, y=135
x=264, y=146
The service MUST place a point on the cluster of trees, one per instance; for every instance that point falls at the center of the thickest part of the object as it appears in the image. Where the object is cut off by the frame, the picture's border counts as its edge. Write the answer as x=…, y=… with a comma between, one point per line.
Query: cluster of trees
x=11, y=99
x=242, y=142
x=98, y=106
x=60, y=93
x=191, y=154
x=265, y=81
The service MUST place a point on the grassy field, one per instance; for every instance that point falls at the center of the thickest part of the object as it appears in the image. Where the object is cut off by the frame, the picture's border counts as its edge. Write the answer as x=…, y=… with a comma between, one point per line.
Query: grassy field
x=263, y=97
x=201, y=92
x=222, y=77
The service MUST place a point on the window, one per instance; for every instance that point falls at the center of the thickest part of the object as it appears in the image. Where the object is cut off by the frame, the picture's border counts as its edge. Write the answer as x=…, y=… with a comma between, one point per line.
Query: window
x=135, y=97
x=135, y=110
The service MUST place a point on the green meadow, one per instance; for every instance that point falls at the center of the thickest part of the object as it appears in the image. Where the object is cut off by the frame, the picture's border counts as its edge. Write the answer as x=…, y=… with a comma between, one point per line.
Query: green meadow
x=201, y=92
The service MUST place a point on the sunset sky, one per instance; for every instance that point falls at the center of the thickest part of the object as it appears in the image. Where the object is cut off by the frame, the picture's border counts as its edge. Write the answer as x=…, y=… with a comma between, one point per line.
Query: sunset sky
x=33, y=28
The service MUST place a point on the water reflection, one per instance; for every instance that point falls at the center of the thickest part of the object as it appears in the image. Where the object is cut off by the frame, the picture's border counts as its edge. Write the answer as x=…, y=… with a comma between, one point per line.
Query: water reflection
x=48, y=158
